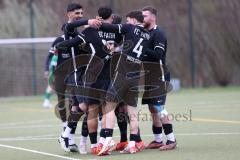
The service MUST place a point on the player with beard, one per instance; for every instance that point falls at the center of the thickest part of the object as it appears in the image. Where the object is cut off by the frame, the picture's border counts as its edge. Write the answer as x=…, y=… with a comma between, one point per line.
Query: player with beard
x=156, y=104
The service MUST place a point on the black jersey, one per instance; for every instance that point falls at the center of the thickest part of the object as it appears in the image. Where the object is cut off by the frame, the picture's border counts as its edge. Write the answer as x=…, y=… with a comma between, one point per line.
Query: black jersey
x=71, y=32
x=61, y=55
x=159, y=45
x=101, y=40
x=99, y=44
x=136, y=38
x=136, y=43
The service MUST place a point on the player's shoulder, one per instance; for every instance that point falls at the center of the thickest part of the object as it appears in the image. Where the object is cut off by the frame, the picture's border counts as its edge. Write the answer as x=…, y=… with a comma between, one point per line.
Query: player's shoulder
x=126, y=26
x=155, y=29
x=89, y=29
x=158, y=31
x=58, y=39
x=141, y=27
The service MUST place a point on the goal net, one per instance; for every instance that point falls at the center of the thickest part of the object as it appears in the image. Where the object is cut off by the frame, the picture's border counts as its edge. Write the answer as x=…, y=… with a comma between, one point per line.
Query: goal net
x=22, y=66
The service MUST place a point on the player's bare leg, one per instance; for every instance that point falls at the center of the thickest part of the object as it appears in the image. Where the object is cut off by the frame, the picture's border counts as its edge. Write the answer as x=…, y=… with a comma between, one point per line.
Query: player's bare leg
x=134, y=129
x=92, y=122
x=102, y=131
x=109, y=109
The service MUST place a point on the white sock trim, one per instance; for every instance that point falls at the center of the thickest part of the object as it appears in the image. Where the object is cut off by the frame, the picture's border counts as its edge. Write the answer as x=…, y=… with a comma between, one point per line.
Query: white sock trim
x=131, y=144
x=171, y=137
x=64, y=124
x=102, y=140
x=158, y=137
x=93, y=145
x=67, y=131
x=83, y=140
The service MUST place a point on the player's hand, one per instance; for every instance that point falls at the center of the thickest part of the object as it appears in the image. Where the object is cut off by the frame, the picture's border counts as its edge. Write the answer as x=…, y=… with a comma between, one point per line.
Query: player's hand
x=94, y=23
x=110, y=47
x=99, y=18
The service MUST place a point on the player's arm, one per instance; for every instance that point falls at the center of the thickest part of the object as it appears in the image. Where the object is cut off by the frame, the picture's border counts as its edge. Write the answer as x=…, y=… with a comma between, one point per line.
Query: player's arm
x=154, y=54
x=69, y=27
x=116, y=28
x=70, y=43
x=48, y=59
x=160, y=47
x=51, y=52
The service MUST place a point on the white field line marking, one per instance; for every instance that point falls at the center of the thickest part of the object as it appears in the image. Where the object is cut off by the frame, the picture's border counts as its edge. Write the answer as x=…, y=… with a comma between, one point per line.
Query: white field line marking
x=38, y=136
x=215, y=120
x=54, y=137
x=37, y=152
x=33, y=126
x=24, y=123
x=29, y=126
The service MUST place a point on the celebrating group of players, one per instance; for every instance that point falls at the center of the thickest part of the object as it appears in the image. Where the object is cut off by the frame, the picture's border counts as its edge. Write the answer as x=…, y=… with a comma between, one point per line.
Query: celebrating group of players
x=100, y=67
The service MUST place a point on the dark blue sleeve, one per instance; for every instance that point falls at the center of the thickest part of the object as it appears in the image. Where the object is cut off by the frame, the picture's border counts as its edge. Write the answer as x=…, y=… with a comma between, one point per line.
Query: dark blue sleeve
x=116, y=28
x=69, y=27
x=71, y=43
x=160, y=44
x=160, y=47
x=154, y=54
x=51, y=53
x=88, y=34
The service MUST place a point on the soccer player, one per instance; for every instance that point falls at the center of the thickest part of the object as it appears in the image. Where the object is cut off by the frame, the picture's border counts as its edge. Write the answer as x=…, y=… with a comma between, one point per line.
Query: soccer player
x=100, y=43
x=121, y=109
x=104, y=43
x=136, y=43
x=156, y=105
x=74, y=12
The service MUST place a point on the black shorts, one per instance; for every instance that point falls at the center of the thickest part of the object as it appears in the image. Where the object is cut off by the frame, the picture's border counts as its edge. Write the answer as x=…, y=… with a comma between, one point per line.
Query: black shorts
x=96, y=87
x=72, y=82
x=161, y=99
x=76, y=100
x=123, y=89
x=96, y=93
x=155, y=101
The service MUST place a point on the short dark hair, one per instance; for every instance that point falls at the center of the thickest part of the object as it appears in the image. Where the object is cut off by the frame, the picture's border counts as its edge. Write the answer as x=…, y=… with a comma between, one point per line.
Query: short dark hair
x=137, y=15
x=150, y=9
x=104, y=12
x=73, y=6
x=116, y=19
